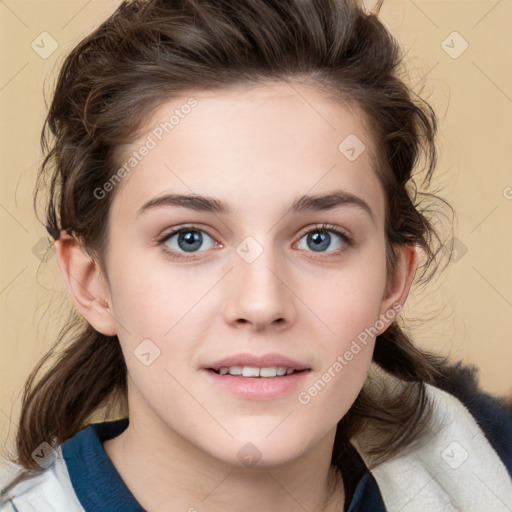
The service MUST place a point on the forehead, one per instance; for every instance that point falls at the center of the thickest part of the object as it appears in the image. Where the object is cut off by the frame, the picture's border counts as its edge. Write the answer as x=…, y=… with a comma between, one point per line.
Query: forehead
x=248, y=144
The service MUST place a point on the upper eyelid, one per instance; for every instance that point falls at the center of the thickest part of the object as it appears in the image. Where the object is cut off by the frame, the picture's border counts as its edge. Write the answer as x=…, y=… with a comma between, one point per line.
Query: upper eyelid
x=326, y=227
x=186, y=227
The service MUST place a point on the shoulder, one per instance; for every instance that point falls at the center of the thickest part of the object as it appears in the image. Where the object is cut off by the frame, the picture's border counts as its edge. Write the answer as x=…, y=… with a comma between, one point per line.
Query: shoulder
x=77, y=475
x=493, y=414
x=455, y=464
x=41, y=490
x=462, y=462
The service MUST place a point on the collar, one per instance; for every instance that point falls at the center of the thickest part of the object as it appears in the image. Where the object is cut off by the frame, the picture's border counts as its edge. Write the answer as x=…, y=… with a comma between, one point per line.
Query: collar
x=96, y=482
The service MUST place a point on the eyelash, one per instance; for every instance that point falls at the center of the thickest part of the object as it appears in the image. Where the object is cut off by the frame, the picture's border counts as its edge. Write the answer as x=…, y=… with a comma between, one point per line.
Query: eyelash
x=322, y=227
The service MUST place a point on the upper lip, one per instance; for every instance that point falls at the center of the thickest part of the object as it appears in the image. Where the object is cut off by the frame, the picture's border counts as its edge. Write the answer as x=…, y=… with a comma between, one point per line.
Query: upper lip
x=259, y=361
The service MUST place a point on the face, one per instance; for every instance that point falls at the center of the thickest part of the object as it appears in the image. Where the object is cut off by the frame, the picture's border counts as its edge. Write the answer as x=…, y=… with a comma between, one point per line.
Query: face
x=252, y=276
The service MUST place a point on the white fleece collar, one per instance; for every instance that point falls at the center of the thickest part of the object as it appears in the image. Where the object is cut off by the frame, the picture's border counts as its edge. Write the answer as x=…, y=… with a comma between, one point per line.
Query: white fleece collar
x=454, y=470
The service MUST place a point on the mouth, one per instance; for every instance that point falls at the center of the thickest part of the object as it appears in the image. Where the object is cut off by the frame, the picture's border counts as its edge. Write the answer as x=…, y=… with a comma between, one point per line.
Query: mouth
x=257, y=377
x=257, y=365
x=267, y=372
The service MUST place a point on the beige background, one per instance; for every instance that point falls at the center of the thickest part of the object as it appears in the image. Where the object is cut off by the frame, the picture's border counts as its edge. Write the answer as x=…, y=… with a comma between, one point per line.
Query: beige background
x=468, y=308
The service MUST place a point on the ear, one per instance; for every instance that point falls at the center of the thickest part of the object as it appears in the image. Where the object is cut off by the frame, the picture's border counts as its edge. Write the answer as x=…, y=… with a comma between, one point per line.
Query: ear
x=398, y=289
x=86, y=284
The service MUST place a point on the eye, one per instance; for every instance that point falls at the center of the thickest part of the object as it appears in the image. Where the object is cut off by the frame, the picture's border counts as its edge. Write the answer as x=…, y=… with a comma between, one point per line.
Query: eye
x=188, y=239
x=320, y=238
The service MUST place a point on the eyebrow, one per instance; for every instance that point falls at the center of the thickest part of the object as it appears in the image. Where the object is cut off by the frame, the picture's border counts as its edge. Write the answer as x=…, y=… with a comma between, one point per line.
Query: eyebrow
x=321, y=202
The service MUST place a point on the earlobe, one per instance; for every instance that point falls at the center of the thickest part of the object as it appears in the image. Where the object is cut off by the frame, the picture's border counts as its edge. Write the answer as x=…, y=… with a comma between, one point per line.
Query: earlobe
x=85, y=283
x=397, y=292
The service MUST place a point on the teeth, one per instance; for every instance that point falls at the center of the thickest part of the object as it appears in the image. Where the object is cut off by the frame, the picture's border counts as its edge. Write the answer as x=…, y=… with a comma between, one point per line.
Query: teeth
x=250, y=371
x=268, y=372
x=253, y=371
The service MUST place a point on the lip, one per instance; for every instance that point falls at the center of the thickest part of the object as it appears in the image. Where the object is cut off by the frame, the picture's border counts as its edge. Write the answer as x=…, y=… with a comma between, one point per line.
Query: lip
x=260, y=361
x=257, y=388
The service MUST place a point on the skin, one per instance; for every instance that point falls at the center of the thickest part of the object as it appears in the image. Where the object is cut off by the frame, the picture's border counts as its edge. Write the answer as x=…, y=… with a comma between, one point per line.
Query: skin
x=258, y=149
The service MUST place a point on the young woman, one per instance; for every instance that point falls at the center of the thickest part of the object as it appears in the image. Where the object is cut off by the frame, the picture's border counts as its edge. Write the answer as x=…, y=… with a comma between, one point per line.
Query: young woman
x=231, y=200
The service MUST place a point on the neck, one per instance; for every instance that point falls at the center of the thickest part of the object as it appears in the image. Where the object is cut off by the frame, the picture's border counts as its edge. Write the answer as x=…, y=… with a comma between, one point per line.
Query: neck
x=176, y=475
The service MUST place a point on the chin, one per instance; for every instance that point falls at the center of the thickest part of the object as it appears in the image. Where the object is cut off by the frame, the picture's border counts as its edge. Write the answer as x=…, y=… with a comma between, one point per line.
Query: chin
x=257, y=450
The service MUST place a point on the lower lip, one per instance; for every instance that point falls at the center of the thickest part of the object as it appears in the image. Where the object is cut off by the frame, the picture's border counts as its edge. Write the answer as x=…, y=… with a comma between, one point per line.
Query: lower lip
x=258, y=388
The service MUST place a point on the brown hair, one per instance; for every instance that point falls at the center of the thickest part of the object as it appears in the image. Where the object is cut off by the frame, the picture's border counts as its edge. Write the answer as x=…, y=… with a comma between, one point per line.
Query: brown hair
x=150, y=50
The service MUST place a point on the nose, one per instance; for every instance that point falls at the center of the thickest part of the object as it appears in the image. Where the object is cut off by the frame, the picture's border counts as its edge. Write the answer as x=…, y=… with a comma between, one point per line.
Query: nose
x=259, y=295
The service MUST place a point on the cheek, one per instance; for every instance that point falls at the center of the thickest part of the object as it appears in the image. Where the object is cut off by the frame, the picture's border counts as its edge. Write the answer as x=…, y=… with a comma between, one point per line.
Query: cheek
x=330, y=395
x=350, y=299
x=350, y=307
x=156, y=311
x=150, y=297
x=352, y=319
